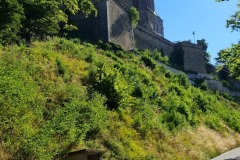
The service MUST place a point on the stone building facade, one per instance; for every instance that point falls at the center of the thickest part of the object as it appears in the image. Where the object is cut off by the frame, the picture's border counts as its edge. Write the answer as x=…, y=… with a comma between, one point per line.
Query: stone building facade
x=148, y=16
x=113, y=25
x=193, y=57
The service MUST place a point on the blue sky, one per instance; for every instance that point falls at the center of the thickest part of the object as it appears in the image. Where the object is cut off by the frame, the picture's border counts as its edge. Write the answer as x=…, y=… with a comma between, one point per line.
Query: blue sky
x=206, y=17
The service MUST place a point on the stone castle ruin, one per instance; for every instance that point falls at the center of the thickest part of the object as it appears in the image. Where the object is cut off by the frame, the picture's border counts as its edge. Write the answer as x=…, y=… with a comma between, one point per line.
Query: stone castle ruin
x=113, y=25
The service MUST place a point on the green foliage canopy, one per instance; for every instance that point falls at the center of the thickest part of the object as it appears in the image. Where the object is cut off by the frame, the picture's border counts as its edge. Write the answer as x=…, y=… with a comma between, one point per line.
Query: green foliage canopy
x=38, y=18
x=11, y=16
x=230, y=59
x=205, y=53
x=234, y=22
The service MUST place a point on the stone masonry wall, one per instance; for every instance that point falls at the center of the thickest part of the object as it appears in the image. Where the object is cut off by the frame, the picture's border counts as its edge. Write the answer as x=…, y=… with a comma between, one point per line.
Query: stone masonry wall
x=113, y=25
x=193, y=58
x=93, y=28
x=145, y=39
x=120, y=29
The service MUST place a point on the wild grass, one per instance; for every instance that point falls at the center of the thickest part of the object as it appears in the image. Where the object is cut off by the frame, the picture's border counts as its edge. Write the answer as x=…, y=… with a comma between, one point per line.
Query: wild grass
x=61, y=95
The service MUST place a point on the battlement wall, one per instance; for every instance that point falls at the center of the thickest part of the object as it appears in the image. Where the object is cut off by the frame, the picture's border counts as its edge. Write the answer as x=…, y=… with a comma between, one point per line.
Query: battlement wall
x=191, y=45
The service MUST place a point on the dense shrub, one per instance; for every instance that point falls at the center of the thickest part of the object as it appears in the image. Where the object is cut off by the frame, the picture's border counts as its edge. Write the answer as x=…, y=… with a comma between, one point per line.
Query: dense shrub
x=148, y=61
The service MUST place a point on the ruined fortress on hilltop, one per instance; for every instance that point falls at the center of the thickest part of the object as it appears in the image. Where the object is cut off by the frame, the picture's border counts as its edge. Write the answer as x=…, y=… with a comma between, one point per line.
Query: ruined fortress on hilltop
x=113, y=25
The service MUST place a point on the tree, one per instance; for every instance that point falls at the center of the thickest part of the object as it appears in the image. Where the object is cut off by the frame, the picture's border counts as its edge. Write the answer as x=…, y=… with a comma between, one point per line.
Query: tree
x=204, y=45
x=230, y=59
x=11, y=15
x=43, y=17
x=234, y=22
x=177, y=57
x=38, y=18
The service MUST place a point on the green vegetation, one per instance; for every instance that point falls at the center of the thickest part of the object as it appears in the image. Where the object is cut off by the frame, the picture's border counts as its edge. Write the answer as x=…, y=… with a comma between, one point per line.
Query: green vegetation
x=10, y=21
x=177, y=57
x=62, y=95
x=58, y=95
x=32, y=19
x=134, y=17
x=234, y=22
x=230, y=58
x=204, y=49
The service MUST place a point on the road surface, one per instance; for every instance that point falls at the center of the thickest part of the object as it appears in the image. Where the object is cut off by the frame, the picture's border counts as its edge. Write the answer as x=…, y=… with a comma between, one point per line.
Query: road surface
x=231, y=155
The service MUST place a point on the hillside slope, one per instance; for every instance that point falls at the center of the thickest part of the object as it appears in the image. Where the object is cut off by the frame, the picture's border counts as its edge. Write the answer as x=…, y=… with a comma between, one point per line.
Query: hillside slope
x=62, y=95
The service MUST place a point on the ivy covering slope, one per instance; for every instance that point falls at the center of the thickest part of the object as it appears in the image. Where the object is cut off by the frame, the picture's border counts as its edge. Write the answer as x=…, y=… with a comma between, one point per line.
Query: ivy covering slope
x=62, y=95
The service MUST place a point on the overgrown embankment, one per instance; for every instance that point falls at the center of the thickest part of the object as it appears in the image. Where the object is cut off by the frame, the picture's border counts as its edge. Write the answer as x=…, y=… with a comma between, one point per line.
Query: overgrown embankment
x=62, y=95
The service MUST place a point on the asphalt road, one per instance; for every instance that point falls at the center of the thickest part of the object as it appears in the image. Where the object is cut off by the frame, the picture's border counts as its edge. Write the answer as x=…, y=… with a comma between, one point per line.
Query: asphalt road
x=231, y=155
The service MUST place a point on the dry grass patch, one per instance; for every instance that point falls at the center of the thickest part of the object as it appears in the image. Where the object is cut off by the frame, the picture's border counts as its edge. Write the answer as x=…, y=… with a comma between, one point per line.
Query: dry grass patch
x=3, y=154
x=201, y=143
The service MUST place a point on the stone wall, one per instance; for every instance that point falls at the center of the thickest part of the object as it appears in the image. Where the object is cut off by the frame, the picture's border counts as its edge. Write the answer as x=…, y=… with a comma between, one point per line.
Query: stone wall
x=173, y=70
x=193, y=57
x=212, y=84
x=93, y=28
x=217, y=86
x=119, y=24
x=200, y=76
x=236, y=84
x=146, y=39
x=113, y=25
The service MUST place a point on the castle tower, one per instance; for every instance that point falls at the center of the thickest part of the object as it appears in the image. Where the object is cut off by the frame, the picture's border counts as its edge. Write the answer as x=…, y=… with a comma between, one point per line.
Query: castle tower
x=148, y=17
x=144, y=4
x=145, y=8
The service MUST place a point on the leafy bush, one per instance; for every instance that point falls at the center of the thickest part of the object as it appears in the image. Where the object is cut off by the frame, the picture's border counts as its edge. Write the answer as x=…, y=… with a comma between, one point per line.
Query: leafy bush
x=159, y=57
x=148, y=61
x=183, y=80
x=214, y=122
x=204, y=86
x=61, y=68
x=110, y=83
